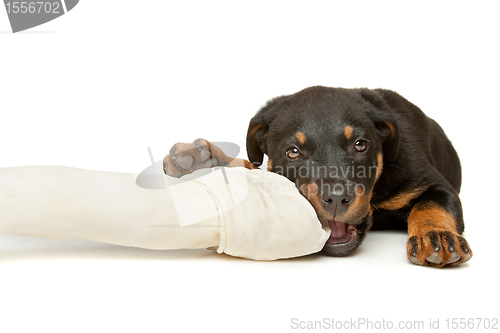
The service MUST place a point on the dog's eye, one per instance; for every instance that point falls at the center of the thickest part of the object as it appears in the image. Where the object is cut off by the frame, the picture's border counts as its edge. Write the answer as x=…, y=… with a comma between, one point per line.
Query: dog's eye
x=293, y=153
x=360, y=146
x=199, y=148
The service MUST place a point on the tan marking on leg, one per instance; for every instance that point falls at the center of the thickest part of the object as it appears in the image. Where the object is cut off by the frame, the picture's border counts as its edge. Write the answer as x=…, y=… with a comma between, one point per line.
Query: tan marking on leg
x=301, y=137
x=348, y=132
x=248, y=165
x=427, y=219
x=219, y=154
x=216, y=158
x=228, y=161
x=401, y=200
x=239, y=162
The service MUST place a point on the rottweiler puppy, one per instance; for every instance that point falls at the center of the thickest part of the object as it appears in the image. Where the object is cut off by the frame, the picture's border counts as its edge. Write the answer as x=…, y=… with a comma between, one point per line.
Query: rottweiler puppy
x=364, y=159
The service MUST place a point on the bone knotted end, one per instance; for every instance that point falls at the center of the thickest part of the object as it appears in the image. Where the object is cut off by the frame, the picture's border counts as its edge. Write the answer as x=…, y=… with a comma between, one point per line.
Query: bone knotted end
x=252, y=214
x=262, y=215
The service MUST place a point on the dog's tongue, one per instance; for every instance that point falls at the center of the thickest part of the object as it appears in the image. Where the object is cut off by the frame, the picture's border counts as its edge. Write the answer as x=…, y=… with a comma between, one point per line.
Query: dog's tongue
x=339, y=229
x=340, y=232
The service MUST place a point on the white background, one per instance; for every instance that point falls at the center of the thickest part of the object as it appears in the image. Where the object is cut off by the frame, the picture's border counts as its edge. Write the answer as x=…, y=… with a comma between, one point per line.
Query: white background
x=96, y=87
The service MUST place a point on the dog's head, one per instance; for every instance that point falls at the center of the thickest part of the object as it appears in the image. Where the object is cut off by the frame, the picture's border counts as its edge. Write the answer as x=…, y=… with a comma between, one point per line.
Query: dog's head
x=332, y=143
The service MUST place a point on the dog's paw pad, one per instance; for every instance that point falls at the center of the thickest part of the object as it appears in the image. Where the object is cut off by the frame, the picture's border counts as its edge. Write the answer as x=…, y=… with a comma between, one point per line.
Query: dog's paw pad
x=184, y=158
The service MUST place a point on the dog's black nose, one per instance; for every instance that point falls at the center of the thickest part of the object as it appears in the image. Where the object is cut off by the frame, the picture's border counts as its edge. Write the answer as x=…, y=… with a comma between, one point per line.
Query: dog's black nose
x=336, y=199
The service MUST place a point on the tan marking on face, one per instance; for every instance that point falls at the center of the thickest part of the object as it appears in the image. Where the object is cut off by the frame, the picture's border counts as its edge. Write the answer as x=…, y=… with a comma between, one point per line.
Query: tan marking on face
x=301, y=137
x=401, y=200
x=380, y=165
x=270, y=165
x=359, y=208
x=348, y=132
x=310, y=192
x=359, y=190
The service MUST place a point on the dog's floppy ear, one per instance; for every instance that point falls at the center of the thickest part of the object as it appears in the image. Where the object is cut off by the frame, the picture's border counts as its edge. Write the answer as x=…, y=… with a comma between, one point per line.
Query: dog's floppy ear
x=384, y=121
x=258, y=130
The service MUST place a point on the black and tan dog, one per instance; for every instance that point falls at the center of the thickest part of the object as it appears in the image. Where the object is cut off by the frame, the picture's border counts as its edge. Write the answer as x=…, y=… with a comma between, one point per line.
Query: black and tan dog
x=364, y=159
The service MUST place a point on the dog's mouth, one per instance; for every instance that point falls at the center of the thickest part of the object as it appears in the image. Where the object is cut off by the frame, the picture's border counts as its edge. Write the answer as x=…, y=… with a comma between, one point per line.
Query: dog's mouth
x=345, y=237
x=341, y=232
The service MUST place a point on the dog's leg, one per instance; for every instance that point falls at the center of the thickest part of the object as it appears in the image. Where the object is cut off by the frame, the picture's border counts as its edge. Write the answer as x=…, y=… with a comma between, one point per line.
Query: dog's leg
x=185, y=158
x=434, y=227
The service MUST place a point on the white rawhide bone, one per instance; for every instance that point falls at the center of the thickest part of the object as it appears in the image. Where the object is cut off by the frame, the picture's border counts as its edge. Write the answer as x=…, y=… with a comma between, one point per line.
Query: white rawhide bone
x=245, y=213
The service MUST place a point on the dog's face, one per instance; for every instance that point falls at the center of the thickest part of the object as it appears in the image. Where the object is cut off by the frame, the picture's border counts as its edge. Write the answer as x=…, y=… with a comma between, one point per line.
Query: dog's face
x=332, y=144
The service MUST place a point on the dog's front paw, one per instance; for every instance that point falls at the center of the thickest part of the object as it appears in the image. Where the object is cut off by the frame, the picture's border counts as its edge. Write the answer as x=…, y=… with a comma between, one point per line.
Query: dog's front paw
x=185, y=158
x=438, y=248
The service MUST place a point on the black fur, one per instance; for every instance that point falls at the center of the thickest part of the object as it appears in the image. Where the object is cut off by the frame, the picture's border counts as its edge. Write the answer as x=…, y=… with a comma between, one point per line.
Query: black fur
x=416, y=152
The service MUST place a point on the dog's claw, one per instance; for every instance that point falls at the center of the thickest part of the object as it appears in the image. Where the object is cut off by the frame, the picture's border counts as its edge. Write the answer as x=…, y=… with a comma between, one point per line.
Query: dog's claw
x=467, y=257
x=415, y=260
x=454, y=257
x=434, y=258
